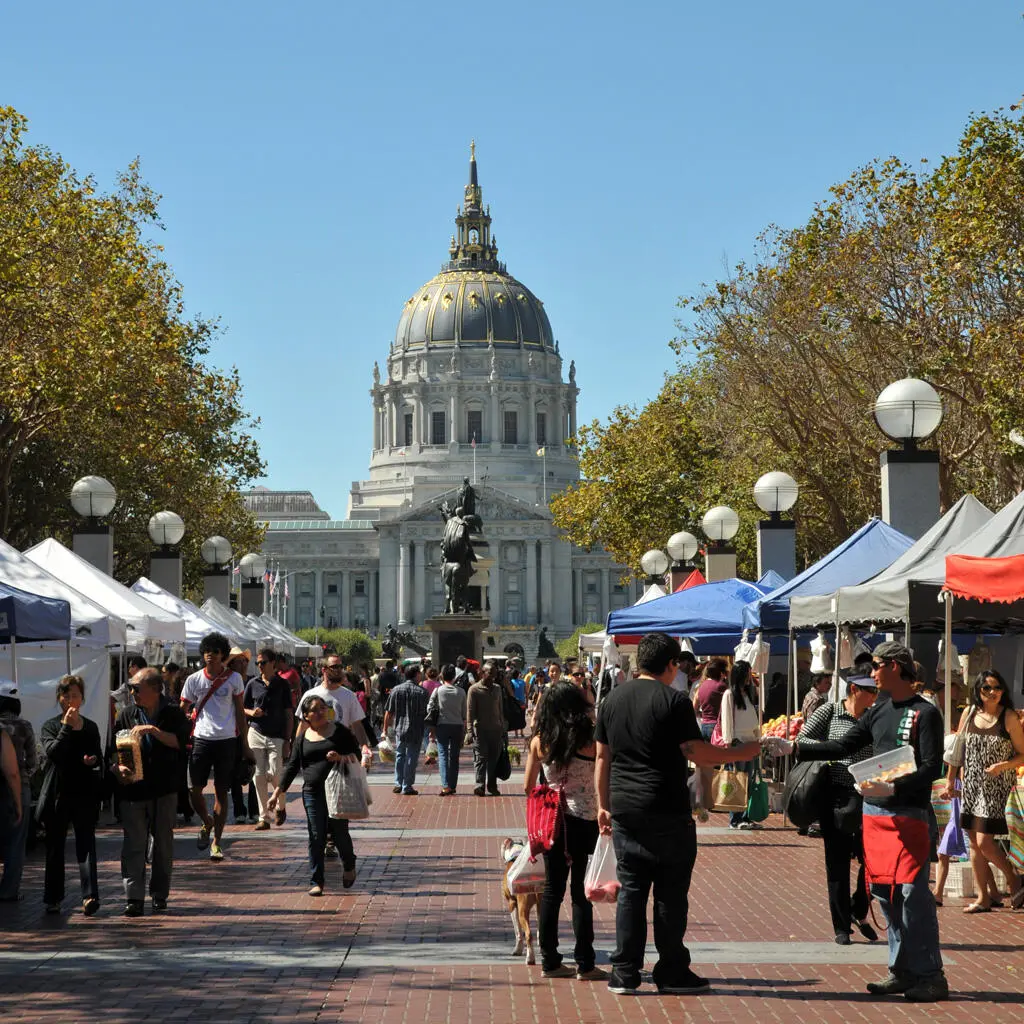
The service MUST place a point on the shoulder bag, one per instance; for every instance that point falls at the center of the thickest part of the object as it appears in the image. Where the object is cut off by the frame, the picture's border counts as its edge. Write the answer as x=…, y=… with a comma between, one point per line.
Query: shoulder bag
x=197, y=710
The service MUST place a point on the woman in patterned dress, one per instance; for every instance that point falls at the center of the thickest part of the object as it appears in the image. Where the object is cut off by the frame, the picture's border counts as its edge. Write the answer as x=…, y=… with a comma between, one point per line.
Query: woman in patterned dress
x=993, y=748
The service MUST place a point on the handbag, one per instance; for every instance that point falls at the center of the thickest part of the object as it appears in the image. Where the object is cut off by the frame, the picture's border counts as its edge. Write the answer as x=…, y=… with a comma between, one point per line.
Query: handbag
x=757, y=800
x=1015, y=826
x=514, y=713
x=544, y=810
x=503, y=769
x=433, y=711
x=806, y=792
x=728, y=791
x=346, y=791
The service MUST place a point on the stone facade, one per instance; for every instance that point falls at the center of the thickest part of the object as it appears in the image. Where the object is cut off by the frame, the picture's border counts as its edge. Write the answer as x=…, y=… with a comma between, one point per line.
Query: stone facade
x=473, y=387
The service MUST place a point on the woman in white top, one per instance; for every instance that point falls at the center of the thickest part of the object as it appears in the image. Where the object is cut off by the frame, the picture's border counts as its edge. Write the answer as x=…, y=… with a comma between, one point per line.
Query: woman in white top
x=739, y=722
x=563, y=743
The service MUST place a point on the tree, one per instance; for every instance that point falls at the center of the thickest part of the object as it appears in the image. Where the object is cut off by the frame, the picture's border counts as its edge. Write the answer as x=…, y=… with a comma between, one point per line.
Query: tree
x=103, y=373
x=570, y=646
x=351, y=645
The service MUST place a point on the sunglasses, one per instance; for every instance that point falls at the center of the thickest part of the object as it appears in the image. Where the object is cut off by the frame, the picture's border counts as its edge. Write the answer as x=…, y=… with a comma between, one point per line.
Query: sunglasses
x=578, y=675
x=334, y=668
x=134, y=689
x=991, y=689
x=260, y=664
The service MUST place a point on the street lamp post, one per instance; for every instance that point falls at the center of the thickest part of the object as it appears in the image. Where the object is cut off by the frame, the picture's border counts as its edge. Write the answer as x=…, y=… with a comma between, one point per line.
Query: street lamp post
x=216, y=552
x=166, y=530
x=681, y=547
x=252, y=567
x=909, y=411
x=776, y=493
x=720, y=524
x=94, y=498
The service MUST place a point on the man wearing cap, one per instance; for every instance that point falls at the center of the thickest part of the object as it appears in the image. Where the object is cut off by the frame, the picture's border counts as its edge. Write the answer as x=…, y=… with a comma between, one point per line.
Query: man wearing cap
x=148, y=806
x=897, y=822
x=24, y=740
x=267, y=703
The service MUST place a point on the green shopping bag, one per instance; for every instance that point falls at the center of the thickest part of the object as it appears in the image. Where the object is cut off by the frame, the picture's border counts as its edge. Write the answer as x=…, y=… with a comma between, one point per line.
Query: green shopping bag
x=757, y=802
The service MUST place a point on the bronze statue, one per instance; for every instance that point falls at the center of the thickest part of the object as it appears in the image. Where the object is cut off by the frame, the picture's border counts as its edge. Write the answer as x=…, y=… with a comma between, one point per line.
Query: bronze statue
x=545, y=648
x=393, y=641
x=467, y=498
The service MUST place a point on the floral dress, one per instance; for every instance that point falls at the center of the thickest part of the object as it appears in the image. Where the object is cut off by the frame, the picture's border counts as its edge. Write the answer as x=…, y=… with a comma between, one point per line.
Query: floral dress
x=985, y=796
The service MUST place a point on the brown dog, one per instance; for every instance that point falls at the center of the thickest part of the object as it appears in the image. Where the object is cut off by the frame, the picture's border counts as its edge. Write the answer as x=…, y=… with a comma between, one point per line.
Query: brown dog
x=519, y=906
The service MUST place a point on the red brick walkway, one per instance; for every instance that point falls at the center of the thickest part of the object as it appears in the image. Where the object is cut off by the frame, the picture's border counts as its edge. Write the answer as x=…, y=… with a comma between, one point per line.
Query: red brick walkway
x=424, y=936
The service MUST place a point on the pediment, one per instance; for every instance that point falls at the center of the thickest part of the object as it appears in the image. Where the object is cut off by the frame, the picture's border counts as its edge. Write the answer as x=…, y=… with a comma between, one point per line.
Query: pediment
x=493, y=506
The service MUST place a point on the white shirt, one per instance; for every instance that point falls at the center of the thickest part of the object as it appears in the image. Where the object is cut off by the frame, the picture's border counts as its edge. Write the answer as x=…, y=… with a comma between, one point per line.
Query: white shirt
x=739, y=724
x=342, y=704
x=681, y=682
x=217, y=720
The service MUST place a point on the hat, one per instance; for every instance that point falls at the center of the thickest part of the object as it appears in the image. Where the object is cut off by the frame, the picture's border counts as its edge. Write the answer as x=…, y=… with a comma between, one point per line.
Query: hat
x=237, y=652
x=8, y=689
x=893, y=651
x=864, y=682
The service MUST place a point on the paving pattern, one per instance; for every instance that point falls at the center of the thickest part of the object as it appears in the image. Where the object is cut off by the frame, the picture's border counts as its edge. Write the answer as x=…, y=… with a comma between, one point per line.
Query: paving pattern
x=424, y=936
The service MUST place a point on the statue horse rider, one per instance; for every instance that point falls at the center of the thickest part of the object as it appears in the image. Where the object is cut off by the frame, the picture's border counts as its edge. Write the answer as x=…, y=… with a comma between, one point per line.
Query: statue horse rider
x=457, y=554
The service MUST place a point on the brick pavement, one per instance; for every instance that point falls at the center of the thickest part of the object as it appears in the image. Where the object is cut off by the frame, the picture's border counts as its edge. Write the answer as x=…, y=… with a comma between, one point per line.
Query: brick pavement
x=424, y=936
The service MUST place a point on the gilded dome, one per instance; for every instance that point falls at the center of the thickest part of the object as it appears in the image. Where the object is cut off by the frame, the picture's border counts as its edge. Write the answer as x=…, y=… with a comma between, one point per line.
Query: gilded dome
x=474, y=301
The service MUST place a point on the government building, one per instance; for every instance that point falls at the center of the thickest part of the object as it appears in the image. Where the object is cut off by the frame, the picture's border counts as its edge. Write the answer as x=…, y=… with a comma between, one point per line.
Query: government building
x=471, y=387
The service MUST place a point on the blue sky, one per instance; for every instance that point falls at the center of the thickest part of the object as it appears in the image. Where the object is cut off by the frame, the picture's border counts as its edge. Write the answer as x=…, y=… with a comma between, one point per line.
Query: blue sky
x=311, y=157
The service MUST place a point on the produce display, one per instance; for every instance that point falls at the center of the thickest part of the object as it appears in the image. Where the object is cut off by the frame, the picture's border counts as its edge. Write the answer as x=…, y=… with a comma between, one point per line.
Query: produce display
x=777, y=727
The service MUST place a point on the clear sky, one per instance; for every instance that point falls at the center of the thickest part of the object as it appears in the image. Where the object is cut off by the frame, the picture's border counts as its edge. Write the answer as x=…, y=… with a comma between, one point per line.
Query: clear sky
x=311, y=157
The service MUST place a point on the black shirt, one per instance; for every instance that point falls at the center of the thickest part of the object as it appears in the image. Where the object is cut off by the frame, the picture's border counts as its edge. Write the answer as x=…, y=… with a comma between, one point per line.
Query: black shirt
x=310, y=757
x=161, y=765
x=643, y=722
x=886, y=725
x=275, y=698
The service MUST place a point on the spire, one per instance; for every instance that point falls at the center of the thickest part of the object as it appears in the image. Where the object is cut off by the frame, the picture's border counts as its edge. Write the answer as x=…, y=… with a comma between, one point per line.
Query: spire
x=472, y=245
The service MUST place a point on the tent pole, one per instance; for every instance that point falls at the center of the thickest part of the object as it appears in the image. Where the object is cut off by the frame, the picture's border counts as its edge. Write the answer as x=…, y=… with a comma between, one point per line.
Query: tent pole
x=791, y=688
x=14, y=661
x=67, y=652
x=947, y=698
x=834, y=693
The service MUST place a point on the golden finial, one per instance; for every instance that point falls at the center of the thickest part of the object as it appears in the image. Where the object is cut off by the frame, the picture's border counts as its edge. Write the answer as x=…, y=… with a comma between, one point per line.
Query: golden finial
x=472, y=149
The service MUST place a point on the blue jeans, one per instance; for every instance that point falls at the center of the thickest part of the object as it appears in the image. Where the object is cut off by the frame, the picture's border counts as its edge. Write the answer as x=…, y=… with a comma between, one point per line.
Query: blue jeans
x=319, y=823
x=658, y=854
x=407, y=755
x=13, y=849
x=909, y=914
x=449, y=747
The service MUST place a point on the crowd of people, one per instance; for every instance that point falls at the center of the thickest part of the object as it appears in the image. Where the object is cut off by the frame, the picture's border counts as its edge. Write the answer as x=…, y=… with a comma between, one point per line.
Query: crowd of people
x=621, y=766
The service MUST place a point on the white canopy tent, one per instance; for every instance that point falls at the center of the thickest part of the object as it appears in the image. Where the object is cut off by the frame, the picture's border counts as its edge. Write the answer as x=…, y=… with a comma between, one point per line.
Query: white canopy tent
x=298, y=647
x=238, y=628
x=149, y=627
x=91, y=623
x=197, y=625
x=591, y=643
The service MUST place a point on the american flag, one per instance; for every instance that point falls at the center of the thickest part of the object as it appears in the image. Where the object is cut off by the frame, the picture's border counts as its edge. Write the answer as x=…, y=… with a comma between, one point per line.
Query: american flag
x=286, y=589
x=267, y=578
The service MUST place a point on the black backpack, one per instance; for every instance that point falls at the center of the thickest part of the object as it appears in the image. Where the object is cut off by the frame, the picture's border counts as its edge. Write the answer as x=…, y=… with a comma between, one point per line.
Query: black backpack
x=806, y=794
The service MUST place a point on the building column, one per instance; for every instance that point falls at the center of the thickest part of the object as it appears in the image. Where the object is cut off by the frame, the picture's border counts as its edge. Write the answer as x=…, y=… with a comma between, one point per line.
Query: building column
x=494, y=592
x=546, y=605
x=345, y=618
x=532, y=610
x=454, y=427
x=419, y=611
x=403, y=583
x=495, y=417
x=371, y=602
x=393, y=439
x=606, y=594
x=578, y=591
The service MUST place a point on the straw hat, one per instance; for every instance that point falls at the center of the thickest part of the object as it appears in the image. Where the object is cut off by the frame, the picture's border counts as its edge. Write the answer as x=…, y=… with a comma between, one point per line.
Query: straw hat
x=237, y=652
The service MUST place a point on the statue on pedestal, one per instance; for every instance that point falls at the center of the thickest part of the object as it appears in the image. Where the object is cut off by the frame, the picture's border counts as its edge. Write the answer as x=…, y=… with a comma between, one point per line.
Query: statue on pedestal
x=457, y=555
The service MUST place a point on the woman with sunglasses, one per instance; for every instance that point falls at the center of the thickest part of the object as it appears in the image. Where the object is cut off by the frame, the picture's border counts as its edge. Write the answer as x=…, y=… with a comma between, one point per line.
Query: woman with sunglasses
x=322, y=745
x=992, y=742
x=579, y=677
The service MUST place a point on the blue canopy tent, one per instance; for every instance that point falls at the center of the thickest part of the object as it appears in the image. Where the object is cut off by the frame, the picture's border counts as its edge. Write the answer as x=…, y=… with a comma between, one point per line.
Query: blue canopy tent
x=709, y=615
x=25, y=616
x=874, y=547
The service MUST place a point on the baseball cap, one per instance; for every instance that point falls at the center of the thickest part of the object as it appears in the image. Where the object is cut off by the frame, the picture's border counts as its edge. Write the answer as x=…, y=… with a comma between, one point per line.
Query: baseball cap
x=890, y=650
x=864, y=682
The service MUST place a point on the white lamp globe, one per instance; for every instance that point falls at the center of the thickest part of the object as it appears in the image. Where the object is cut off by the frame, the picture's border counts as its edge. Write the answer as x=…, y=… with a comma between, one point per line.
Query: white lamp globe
x=166, y=528
x=720, y=524
x=93, y=496
x=654, y=562
x=776, y=492
x=253, y=566
x=682, y=546
x=216, y=550
x=908, y=410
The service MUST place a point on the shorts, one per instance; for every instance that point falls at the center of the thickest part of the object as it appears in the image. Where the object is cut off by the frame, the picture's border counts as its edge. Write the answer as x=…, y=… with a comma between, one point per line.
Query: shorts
x=219, y=756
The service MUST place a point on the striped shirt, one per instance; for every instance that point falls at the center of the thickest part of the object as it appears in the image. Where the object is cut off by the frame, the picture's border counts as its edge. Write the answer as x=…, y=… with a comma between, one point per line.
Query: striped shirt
x=832, y=722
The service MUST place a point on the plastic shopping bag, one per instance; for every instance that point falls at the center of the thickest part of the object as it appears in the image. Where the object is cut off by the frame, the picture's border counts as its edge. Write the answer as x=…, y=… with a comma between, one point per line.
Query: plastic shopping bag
x=386, y=751
x=527, y=874
x=346, y=791
x=695, y=785
x=431, y=751
x=601, y=884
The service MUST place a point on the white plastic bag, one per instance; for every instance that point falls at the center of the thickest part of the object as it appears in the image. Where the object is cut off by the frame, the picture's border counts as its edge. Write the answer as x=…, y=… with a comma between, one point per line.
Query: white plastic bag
x=386, y=751
x=346, y=789
x=754, y=652
x=694, y=783
x=822, y=655
x=527, y=874
x=601, y=883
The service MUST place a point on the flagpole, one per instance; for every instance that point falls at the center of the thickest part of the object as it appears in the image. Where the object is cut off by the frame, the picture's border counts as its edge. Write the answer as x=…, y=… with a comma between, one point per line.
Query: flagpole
x=544, y=464
x=474, y=458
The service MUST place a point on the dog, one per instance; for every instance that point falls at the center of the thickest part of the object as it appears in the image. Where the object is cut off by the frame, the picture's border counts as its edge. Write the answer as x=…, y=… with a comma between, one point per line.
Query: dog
x=519, y=906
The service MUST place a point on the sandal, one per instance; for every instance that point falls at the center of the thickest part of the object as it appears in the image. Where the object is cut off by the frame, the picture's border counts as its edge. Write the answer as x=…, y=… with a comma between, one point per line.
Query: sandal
x=977, y=908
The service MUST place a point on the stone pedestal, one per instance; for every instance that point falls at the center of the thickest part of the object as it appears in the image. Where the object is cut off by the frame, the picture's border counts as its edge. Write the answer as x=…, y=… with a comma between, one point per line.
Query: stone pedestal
x=165, y=570
x=457, y=634
x=96, y=545
x=776, y=547
x=910, y=491
x=720, y=563
x=217, y=584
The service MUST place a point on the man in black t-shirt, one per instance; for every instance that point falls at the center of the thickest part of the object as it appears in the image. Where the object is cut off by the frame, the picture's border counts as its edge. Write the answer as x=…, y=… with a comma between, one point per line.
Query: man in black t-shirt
x=267, y=703
x=645, y=733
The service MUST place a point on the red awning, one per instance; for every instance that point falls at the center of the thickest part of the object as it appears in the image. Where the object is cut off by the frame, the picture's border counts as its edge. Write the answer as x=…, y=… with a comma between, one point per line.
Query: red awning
x=986, y=579
x=695, y=579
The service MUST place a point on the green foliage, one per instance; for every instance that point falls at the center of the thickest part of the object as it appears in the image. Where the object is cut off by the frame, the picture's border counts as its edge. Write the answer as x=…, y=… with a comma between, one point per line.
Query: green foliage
x=351, y=645
x=570, y=646
x=102, y=372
